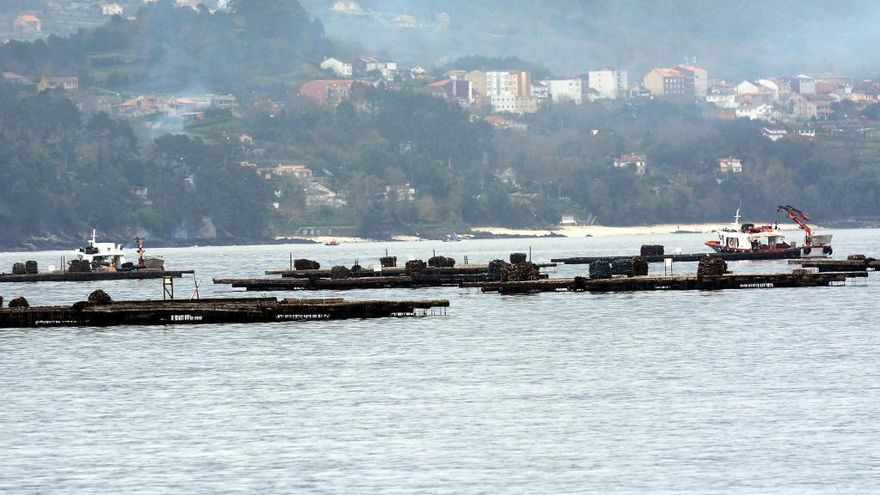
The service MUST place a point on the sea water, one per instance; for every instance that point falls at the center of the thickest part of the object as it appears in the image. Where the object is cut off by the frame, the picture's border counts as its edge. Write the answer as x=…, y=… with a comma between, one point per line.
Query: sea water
x=738, y=391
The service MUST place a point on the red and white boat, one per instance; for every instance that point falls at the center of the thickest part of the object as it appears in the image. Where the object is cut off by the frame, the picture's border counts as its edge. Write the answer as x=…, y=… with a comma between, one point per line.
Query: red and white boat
x=768, y=239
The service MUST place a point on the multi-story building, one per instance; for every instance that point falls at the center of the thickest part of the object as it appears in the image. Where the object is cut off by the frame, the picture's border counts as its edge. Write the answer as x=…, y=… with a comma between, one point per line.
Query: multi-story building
x=681, y=80
x=804, y=85
x=696, y=80
x=608, y=83
x=514, y=104
x=541, y=91
x=508, y=83
x=664, y=82
x=510, y=91
x=562, y=90
x=477, y=79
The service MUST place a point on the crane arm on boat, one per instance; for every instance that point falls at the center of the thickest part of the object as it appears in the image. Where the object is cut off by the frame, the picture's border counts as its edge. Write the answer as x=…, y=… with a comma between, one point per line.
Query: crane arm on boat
x=799, y=217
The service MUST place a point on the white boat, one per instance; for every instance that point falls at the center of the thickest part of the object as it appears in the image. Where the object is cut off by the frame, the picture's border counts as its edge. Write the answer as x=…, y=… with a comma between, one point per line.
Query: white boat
x=102, y=255
x=770, y=241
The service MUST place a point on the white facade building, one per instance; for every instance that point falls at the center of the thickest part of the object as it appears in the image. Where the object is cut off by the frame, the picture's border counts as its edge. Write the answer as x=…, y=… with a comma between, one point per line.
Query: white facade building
x=608, y=83
x=722, y=100
x=111, y=9
x=508, y=83
x=747, y=88
x=755, y=112
x=562, y=90
x=514, y=104
x=339, y=67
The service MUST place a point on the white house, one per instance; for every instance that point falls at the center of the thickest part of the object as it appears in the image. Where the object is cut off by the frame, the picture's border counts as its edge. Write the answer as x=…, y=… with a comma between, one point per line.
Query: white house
x=730, y=165
x=110, y=9
x=722, y=100
x=770, y=87
x=638, y=162
x=340, y=68
x=346, y=7
x=417, y=72
x=747, y=88
x=388, y=69
x=318, y=195
x=753, y=111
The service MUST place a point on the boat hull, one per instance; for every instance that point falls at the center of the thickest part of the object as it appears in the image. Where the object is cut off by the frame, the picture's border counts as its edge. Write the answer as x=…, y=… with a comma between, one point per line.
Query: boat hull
x=769, y=254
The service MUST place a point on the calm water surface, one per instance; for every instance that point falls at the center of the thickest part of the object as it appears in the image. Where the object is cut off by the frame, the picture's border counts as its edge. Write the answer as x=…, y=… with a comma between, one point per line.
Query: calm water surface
x=752, y=391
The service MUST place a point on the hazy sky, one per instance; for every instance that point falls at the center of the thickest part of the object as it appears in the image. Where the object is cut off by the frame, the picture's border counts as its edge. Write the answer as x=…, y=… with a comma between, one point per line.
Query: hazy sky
x=744, y=38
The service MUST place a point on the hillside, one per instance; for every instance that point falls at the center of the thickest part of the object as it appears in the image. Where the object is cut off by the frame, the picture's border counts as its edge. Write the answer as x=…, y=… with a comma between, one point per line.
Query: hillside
x=732, y=39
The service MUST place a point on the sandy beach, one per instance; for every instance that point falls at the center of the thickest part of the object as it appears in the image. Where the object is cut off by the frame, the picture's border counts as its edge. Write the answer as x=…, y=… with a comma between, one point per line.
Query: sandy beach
x=565, y=231
x=602, y=230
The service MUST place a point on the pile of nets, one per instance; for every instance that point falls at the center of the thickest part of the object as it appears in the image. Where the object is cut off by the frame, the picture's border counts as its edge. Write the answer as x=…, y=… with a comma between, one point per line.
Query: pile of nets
x=640, y=266
x=521, y=271
x=100, y=297
x=415, y=267
x=340, y=271
x=600, y=269
x=622, y=266
x=79, y=266
x=30, y=267
x=19, y=302
x=518, y=258
x=388, y=261
x=19, y=269
x=304, y=264
x=441, y=262
x=651, y=250
x=711, y=267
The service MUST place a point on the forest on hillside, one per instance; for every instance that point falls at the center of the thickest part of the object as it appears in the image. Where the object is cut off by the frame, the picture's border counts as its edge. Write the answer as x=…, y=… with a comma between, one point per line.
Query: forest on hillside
x=63, y=171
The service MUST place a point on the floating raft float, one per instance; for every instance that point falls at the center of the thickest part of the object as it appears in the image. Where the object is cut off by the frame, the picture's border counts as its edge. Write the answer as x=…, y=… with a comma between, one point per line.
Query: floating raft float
x=92, y=276
x=202, y=311
x=393, y=282
x=586, y=260
x=678, y=282
x=396, y=271
x=840, y=265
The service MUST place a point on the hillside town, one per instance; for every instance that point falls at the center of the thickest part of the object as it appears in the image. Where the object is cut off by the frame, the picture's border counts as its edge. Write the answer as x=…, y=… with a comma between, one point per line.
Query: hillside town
x=772, y=99
x=509, y=96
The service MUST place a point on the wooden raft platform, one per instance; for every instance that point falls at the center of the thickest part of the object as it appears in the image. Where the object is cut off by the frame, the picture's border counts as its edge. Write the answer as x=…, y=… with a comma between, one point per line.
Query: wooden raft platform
x=92, y=276
x=210, y=311
x=395, y=282
x=586, y=260
x=393, y=271
x=677, y=282
x=839, y=265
